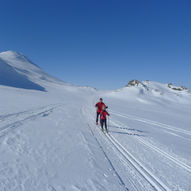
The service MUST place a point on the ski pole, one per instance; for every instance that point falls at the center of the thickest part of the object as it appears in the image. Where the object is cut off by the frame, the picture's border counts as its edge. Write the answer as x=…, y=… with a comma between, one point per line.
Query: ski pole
x=108, y=124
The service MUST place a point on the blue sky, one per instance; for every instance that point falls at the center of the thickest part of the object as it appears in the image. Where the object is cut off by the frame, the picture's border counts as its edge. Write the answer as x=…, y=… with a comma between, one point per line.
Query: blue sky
x=102, y=43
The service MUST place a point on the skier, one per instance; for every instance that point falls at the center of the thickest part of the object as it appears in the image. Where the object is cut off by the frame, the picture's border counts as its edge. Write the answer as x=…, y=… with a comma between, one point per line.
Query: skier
x=103, y=120
x=99, y=106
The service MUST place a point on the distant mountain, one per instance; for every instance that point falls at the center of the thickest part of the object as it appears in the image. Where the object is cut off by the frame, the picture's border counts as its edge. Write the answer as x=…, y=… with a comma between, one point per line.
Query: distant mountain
x=149, y=84
x=18, y=71
x=149, y=91
x=157, y=87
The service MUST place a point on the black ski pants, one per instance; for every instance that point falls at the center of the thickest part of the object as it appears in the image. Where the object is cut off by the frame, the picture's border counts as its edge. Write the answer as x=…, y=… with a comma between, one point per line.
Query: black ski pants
x=97, y=116
x=103, y=122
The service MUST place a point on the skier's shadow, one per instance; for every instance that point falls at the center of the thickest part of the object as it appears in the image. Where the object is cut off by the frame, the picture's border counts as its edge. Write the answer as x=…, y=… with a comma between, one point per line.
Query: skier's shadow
x=134, y=133
x=125, y=133
x=125, y=128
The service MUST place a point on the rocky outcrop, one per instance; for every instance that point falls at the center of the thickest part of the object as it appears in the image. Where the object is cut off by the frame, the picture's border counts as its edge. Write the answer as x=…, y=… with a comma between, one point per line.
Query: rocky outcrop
x=177, y=88
x=136, y=83
x=133, y=83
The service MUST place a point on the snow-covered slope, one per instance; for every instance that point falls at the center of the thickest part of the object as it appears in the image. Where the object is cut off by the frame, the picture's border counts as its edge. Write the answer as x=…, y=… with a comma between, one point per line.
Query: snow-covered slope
x=17, y=71
x=148, y=91
x=49, y=140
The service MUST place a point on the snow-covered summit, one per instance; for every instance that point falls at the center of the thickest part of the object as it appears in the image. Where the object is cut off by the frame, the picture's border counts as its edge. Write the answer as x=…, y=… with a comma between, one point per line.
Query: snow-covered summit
x=18, y=71
x=150, y=91
x=17, y=59
x=137, y=83
x=157, y=86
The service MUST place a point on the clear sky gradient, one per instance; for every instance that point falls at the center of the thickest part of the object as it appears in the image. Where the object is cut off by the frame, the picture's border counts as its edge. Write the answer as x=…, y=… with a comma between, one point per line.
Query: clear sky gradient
x=102, y=43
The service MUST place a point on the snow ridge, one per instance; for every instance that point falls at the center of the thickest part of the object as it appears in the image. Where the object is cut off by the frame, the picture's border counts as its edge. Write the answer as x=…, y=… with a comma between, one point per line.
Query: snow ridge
x=16, y=70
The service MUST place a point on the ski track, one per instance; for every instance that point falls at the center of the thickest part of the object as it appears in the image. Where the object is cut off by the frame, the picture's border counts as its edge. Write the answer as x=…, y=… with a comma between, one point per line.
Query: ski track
x=126, y=186
x=155, y=123
x=173, y=159
x=109, y=161
x=130, y=181
x=24, y=116
x=9, y=116
x=104, y=153
x=154, y=181
x=12, y=115
x=158, y=150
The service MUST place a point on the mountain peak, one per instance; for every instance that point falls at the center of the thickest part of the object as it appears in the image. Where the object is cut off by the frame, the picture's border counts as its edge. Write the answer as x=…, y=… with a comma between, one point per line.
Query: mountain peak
x=136, y=83
x=11, y=53
x=15, y=58
x=18, y=71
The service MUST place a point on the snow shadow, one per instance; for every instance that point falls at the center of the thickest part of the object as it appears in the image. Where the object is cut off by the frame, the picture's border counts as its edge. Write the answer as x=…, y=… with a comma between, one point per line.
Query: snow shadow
x=130, y=129
x=127, y=133
x=10, y=77
x=47, y=113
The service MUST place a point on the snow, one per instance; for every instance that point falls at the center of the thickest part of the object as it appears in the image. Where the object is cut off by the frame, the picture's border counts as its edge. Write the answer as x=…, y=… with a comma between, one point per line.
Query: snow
x=49, y=140
x=18, y=71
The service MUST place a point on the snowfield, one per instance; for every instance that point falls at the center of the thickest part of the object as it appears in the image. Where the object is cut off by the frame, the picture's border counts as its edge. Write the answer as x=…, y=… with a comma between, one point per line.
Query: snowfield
x=49, y=140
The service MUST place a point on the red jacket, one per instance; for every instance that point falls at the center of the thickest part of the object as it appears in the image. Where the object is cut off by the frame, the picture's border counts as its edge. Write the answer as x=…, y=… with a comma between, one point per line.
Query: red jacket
x=99, y=106
x=104, y=114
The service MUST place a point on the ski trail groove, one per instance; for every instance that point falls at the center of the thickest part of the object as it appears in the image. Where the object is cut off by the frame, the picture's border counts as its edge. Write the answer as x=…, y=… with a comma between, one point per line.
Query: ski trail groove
x=9, y=116
x=165, y=154
x=109, y=161
x=83, y=111
x=42, y=111
x=173, y=159
x=145, y=173
x=155, y=123
x=130, y=181
x=156, y=183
